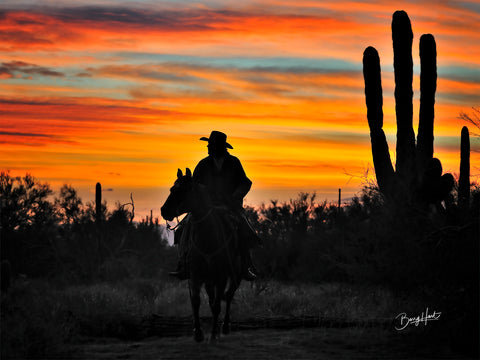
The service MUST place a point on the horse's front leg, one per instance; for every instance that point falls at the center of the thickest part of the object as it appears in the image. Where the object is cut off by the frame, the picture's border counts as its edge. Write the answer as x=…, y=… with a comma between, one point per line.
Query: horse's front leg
x=210, y=288
x=195, y=300
x=234, y=284
x=216, y=307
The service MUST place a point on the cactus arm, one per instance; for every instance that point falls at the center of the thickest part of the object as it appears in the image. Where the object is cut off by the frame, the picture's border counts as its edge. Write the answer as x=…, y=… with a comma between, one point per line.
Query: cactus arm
x=428, y=86
x=374, y=101
x=464, y=180
x=402, y=37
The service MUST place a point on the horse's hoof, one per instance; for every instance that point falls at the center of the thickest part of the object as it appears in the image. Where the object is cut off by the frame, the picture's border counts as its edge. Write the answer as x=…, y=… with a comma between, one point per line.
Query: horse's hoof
x=198, y=335
x=213, y=338
x=226, y=329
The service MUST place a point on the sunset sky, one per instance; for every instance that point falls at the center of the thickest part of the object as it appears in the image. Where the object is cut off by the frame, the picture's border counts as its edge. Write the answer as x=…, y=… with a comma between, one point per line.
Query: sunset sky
x=119, y=92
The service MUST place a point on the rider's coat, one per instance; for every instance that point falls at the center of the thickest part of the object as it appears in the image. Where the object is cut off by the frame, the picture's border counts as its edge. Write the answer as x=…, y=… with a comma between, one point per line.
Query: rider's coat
x=226, y=182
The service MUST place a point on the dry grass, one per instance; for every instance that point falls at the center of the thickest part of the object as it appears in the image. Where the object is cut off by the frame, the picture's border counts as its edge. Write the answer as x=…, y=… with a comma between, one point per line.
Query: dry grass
x=38, y=318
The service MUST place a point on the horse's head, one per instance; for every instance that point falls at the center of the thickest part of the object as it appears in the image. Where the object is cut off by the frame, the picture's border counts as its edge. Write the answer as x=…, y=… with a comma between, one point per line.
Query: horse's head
x=179, y=200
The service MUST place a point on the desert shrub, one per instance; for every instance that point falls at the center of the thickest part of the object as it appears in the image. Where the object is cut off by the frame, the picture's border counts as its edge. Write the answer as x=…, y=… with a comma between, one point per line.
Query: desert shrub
x=368, y=240
x=58, y=238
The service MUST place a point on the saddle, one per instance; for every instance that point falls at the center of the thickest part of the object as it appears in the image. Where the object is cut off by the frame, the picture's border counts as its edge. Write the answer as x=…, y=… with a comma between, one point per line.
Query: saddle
x=236, y=221
x=184, y=230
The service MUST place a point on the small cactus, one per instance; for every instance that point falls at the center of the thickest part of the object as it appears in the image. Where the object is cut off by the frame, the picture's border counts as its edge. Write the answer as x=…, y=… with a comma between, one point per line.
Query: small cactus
x=464, y=180
x=416, y=170
x=98, y=220
x=98, y=203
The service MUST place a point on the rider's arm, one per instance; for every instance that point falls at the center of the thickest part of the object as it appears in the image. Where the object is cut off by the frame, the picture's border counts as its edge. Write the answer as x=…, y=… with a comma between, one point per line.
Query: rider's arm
x=243, y=182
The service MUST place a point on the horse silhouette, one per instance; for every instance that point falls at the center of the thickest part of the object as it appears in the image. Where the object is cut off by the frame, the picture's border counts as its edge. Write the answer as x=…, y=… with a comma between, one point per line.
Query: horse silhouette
x=213, y=256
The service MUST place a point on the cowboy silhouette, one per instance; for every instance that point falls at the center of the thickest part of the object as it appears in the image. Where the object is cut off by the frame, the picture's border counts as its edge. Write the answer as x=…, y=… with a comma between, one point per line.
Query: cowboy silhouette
x=227, y=184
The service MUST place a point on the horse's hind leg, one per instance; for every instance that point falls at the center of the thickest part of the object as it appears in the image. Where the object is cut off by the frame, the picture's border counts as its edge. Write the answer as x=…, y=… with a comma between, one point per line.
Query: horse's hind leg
x=195, y=299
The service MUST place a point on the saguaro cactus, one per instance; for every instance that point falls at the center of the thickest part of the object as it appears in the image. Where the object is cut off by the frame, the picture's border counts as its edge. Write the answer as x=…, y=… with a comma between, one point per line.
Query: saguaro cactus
x=98, y=203
x=416, y=169
x=464, y=180
x=98, y=220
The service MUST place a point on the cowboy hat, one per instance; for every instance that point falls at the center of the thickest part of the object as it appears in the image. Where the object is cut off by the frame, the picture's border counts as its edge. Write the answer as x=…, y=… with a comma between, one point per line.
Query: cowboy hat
x=217, y=138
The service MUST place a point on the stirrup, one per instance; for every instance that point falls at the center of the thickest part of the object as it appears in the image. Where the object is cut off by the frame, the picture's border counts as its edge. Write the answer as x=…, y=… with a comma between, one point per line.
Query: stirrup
x=181, y=275
x=248, y=275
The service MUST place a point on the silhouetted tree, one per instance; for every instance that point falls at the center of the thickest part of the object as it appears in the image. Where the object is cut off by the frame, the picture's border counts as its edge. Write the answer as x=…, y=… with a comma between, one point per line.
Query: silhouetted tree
x=28, y=222
x=68, y=205
x=472, y=119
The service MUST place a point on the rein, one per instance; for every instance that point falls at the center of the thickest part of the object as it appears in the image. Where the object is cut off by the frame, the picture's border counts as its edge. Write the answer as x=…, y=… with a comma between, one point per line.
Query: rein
x=208, y=256
x=173, y=228
x=204, y=217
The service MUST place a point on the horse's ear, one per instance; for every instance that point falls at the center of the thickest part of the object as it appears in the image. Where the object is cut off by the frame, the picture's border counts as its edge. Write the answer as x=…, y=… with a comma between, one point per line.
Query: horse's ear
x=188, y=173
x=179, y=173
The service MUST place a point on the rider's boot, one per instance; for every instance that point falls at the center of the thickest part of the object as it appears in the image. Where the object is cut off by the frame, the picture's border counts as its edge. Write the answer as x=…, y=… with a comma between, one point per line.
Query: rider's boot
x=248, y=272
x=248, y=239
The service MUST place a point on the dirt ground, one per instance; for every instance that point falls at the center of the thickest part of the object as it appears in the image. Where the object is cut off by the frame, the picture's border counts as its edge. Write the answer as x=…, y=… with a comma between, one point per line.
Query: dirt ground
x=315, y=343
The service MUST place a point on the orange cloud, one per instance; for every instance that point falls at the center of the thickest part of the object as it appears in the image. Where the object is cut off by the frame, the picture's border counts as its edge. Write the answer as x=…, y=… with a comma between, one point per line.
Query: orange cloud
x=121, y=95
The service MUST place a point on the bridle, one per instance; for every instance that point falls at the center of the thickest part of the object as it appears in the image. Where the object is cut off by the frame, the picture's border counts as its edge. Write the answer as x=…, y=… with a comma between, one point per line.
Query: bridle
x=173, y=228
x=177, y=211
